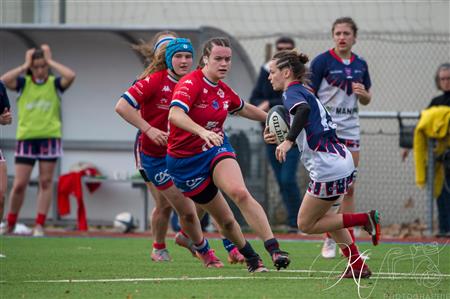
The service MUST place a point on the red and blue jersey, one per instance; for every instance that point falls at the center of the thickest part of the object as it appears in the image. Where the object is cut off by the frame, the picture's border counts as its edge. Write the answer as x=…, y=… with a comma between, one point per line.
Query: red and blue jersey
x=331, y=79
x=207, y=104
x=152, y=95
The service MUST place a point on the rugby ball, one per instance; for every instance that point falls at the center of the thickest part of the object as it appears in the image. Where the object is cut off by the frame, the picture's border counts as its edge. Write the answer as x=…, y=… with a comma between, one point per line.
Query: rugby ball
x=125, y=222
x=278, y=122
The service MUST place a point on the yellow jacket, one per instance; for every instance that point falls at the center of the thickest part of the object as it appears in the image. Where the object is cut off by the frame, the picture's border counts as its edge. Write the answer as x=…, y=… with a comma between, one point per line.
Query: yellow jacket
x=433, y=123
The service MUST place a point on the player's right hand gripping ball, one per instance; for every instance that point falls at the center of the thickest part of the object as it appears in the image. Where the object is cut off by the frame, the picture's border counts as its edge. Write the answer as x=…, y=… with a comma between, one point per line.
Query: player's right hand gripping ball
x=278, y=122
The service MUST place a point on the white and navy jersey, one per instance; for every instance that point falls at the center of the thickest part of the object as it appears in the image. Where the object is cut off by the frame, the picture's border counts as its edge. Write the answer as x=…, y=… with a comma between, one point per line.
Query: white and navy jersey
x=331, y=79
x=323, y=155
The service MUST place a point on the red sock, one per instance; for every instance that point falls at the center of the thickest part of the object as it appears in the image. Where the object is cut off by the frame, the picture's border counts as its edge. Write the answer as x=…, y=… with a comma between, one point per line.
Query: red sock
x=351, y=220
x=352, y=234
x=159, y=246
x=40, y=219
x=351, y=252
x=184, y=234
x=12, y=219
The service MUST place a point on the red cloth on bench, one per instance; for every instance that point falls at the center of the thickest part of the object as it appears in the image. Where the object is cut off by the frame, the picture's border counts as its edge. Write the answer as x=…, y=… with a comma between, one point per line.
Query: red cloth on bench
x=70, y=184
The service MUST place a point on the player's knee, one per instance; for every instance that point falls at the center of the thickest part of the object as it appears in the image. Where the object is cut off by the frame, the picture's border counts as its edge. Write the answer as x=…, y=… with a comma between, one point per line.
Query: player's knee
x=305, y=226
x=45, y=183
x=19, y=187
x=228, y=224
x=188, y=218
x=240, y=195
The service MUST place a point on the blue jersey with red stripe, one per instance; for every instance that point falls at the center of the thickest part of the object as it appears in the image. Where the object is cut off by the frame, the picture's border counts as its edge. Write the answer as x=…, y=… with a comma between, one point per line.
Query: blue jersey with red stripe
x=331, y=79
x=323, y=155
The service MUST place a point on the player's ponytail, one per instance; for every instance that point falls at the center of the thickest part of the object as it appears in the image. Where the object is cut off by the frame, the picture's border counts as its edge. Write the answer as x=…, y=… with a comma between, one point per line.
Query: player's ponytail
x=295, y=61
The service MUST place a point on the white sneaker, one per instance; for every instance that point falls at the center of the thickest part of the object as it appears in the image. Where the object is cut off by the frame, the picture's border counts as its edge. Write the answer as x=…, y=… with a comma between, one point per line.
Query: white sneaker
x=329, y=249
x=38, y=231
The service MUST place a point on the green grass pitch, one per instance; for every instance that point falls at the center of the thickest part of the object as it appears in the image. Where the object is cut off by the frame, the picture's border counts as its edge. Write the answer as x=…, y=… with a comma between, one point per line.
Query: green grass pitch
x=121, y=268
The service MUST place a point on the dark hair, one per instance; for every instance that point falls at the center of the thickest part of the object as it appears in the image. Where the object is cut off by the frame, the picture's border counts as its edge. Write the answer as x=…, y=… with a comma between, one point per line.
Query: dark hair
x=209, y=44
x=295, y=61
x=37, y=54
x=285, y=40
x=443, y=66
x=345, y=20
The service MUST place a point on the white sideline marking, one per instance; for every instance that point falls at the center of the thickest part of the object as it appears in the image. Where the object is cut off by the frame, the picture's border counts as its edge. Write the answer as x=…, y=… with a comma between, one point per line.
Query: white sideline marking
x=373, y=274
x=404, y=276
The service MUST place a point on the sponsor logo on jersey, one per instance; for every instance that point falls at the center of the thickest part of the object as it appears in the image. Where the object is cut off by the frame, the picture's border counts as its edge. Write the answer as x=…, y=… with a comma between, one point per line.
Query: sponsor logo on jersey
x=188, y=82
x=205, y=90
x=215, y=105
x=226, y=105
x=164, y=100
x=220, y=93
x=166, y=88
x=346, y=111
x=348, y=73
x=336, y=72
x=211, y=125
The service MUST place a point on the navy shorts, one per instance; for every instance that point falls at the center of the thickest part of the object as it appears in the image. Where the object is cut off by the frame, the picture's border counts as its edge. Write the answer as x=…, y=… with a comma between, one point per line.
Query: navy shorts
x=193, y=174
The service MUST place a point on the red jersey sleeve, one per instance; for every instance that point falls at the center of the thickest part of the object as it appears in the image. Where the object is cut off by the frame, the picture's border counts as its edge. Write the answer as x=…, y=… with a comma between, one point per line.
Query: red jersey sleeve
x=185, y=93
x=140, y=91
x=236, y=103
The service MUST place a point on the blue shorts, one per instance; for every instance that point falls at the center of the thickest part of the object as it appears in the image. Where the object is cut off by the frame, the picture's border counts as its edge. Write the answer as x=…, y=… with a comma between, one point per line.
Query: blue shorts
x=154, y=169
x=193, y=174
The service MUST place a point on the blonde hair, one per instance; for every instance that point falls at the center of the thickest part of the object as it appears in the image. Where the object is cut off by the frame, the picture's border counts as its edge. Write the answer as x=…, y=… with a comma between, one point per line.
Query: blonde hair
x=155, y=58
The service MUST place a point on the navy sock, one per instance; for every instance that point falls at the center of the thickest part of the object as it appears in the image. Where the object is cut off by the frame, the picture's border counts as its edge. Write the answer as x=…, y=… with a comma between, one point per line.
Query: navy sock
x=203, y=247
x=228, y=245
x=248, y=252
x=272, y=245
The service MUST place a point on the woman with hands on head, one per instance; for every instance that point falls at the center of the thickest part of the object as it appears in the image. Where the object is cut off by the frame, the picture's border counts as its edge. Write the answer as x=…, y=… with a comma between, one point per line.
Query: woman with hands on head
x=39, y=128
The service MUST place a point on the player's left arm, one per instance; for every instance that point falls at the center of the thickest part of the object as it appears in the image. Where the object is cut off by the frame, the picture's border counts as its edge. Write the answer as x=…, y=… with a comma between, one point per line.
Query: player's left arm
x=67, y=74
x=362, y=90
x=363, y=94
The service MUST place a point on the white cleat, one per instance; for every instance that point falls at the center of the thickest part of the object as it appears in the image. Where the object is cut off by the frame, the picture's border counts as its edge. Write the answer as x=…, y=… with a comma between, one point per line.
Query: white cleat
x=329, y=249
x=38, y=231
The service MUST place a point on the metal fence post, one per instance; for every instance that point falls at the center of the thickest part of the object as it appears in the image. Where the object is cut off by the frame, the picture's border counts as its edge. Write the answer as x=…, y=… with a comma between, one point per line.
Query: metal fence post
x=430, y=184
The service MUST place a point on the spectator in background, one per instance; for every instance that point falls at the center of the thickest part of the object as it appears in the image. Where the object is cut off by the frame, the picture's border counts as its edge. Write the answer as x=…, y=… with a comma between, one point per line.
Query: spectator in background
x=265, y=98
x=340, y=79
x=442, y=80
x=38, y=128
x=5, y=119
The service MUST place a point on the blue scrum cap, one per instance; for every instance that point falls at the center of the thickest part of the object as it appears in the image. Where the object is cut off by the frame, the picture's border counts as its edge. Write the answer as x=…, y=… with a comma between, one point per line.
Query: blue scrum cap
x=175, y=46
